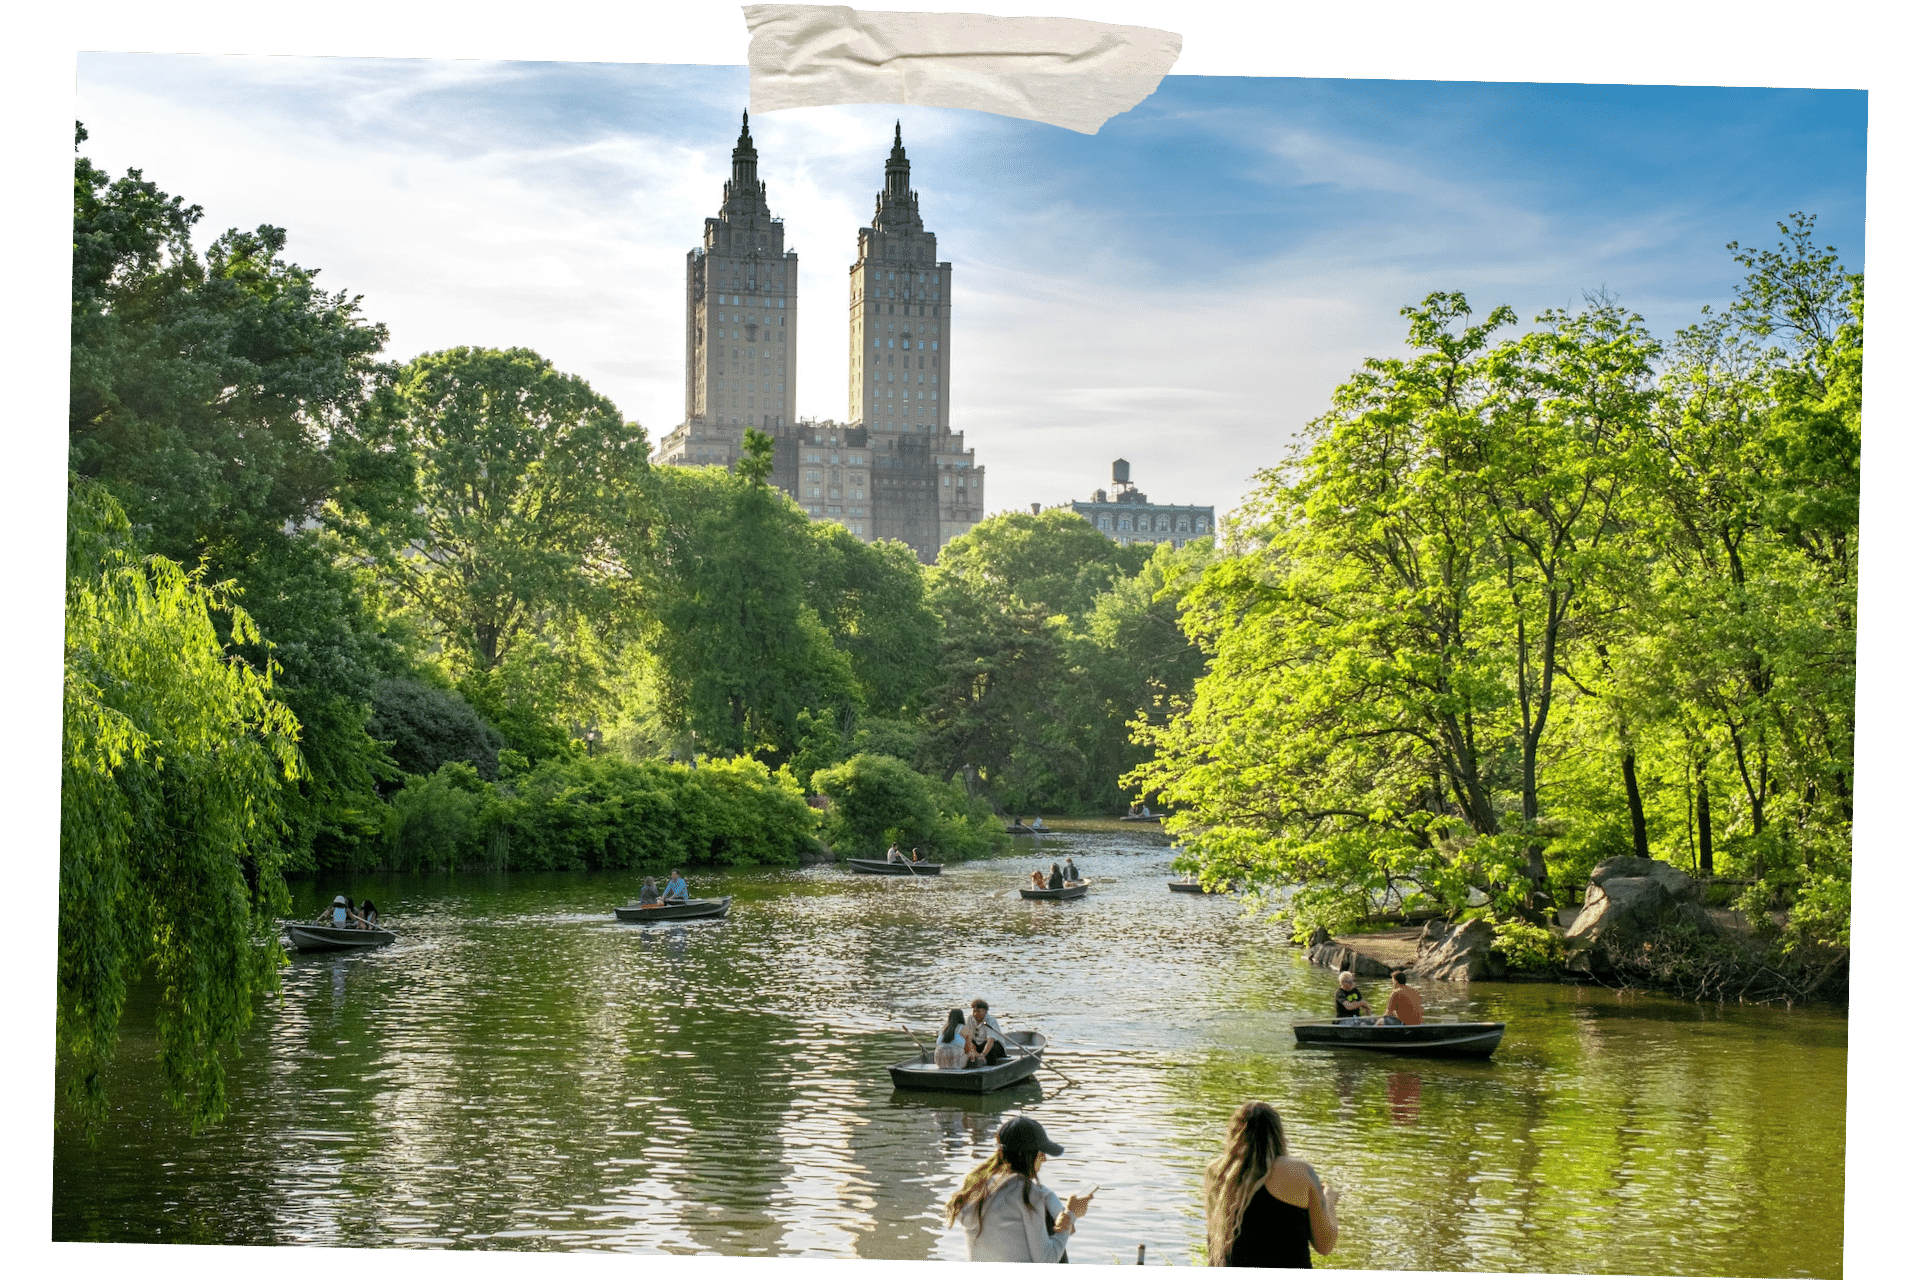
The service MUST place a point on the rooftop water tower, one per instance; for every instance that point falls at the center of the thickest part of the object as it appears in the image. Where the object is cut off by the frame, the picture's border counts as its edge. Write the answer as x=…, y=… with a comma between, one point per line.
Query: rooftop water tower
x=1122, y=473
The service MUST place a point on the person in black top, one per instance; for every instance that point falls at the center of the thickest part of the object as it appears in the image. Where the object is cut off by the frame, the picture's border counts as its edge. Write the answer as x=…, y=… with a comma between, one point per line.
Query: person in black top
x=1265, y=1208
x=1073, y=872
x=1056, y=880
x=1347, y=1001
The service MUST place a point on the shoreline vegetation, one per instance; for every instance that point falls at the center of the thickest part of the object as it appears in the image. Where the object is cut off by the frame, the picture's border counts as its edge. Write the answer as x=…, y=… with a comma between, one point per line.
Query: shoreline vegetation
x=1516, y=608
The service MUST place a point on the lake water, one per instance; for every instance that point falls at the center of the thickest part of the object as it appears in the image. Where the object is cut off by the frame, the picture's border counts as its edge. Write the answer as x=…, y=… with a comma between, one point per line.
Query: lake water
x=519, y=1071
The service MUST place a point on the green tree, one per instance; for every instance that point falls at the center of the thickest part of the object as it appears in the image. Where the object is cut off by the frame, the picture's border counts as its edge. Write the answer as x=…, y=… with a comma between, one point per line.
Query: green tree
x=736, y=648
x=174, y=754
x=529, y=499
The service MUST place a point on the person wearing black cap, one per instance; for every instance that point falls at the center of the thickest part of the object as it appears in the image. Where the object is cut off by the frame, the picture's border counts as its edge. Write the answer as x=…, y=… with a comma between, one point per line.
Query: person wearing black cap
x=1005, y=1212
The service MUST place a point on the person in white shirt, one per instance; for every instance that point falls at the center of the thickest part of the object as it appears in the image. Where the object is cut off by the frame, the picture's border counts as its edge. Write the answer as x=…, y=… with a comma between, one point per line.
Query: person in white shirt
x=1005, y=1212
x=893, y=854
x=985, y=1036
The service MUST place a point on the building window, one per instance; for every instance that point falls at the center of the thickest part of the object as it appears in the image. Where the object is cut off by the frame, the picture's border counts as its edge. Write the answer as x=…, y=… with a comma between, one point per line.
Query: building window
x=1126, y=522
x=1106, y=522
x=1161, y=524
x=1180, y=525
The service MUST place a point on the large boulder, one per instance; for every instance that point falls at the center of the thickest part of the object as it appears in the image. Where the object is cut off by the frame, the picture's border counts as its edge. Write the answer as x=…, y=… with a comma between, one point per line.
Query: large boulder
x=1337, y=955
x=1463, y=953
x=1627, y=899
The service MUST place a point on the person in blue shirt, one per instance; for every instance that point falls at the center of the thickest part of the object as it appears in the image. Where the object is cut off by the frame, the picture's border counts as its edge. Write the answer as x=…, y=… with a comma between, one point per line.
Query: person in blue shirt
x=676, y=888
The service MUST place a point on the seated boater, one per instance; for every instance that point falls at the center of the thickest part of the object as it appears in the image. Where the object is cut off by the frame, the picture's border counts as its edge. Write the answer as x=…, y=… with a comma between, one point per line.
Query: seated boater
x=1056, y=880
x=1039, y=879
x=1347, y=1000
x=1073, y=872
x=676, y=888
x=950, y=1051
x=1403, y=1006
x=649, y=893
x=984, y=1035
x=916, y=854
x=894, y=854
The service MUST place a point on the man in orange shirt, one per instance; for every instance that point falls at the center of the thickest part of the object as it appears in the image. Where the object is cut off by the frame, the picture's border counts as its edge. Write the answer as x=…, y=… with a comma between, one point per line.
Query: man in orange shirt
x=1404, y=1004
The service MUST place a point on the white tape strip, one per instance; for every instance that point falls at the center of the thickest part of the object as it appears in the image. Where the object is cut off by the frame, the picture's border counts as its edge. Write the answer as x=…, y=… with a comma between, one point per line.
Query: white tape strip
x=1062, y=71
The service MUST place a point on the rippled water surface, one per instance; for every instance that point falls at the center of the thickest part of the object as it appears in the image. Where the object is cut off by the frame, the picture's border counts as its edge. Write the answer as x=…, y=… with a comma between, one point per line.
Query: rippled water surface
x=520, y=1071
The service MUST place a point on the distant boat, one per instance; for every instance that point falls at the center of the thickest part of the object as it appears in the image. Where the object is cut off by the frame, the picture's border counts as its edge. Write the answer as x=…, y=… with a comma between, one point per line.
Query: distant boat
x=918, y=1072
x=1021, y=829
x=1190, y=886
x=881, y=867
x=311, y=936
x=1143, y=817
x=1075, y=890
x=691, y=909
x=1428, y=1039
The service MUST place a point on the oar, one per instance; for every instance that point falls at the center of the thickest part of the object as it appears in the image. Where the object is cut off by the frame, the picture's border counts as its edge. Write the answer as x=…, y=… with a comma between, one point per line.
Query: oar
x=916, y=1039
x=1042, y=1061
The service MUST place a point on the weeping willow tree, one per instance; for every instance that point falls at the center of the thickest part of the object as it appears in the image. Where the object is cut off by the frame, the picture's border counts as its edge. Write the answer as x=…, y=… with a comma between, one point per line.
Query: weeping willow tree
x=173, y=754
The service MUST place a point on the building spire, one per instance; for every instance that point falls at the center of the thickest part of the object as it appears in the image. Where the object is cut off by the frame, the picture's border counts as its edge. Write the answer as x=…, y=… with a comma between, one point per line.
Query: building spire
x=746, y=162
x=897, y=192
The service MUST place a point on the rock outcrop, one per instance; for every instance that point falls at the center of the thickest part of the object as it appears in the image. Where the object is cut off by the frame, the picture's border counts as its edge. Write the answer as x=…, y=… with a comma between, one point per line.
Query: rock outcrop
x=1627, y=899
x=1337, y=955
x=1461, y=953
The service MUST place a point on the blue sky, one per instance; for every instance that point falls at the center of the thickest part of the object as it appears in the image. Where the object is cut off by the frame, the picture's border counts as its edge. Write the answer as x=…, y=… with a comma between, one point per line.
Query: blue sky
x=1184, y=288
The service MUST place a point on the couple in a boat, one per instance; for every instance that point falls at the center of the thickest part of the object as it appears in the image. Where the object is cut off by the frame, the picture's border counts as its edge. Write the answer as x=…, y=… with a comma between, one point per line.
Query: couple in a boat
x=676, y=891
x=970, y=1040
x=894, y=855
x=1403, y=1006
x=343, y=915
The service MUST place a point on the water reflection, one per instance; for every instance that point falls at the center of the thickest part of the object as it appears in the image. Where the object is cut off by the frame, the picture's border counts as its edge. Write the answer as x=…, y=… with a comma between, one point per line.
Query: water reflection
x=521, y=1071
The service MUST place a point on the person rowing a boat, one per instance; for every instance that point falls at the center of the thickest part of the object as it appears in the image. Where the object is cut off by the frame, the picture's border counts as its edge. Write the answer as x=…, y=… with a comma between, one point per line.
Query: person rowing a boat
x=1073, y=872
x=1403, y=1006
x=340, y=914
x=1347, y=1001
x=984, y=1035
x=676, y=888
x=894, y=854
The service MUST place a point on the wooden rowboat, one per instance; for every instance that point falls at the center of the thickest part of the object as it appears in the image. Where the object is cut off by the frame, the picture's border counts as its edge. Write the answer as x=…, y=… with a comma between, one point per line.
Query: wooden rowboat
x=1078, y=889
x=309, y=936
x=691, y=909
x=1429, y=1039
x=1143, y=817
x=1190, y=886
x=881, y=867
x=918, y=1072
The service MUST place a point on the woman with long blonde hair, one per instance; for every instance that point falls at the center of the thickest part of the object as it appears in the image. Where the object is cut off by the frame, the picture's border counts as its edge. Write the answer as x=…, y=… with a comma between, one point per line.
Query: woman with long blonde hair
x=1263, y=1206
x=1005, y=1211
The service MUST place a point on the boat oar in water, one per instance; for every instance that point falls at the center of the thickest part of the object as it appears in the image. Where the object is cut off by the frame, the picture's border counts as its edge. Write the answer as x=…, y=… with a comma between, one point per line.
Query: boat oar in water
x=916, y=1039
x=1042, y=1061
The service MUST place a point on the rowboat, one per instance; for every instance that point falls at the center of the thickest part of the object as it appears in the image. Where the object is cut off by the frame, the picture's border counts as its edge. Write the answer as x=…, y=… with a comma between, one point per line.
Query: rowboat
x=918, y=1072
x=881, y=867
x=1023, y=1093
x=691, y=909
x=1078, y=889
x=308, y=936
x=1429, y=1039
x=1143, y=817
x=1190, y=886
x=1020, y=829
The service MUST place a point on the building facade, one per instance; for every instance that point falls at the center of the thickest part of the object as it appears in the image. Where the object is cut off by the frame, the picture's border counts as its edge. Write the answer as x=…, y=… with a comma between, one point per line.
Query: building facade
x=1128, y=518
x=742, y=307
x=895, y=468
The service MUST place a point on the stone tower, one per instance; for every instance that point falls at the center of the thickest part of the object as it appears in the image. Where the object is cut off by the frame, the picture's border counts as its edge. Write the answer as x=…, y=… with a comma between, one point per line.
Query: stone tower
x=925, y=486
x=742, y=322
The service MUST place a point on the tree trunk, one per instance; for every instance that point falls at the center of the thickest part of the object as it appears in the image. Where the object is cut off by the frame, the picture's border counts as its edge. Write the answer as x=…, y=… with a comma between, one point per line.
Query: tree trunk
x=1704, y=811
x=1636, y=812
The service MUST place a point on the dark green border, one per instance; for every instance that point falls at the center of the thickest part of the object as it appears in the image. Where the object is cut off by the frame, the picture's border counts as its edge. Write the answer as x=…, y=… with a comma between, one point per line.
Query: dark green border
x=1855, y=45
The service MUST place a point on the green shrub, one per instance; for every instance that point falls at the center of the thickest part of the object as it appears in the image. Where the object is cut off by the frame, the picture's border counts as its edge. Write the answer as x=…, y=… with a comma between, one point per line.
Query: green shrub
x=879, y=800
x=1530, y=948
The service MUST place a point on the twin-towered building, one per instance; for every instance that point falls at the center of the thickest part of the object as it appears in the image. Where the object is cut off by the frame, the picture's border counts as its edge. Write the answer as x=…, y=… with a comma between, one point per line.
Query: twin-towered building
x=895, y=468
